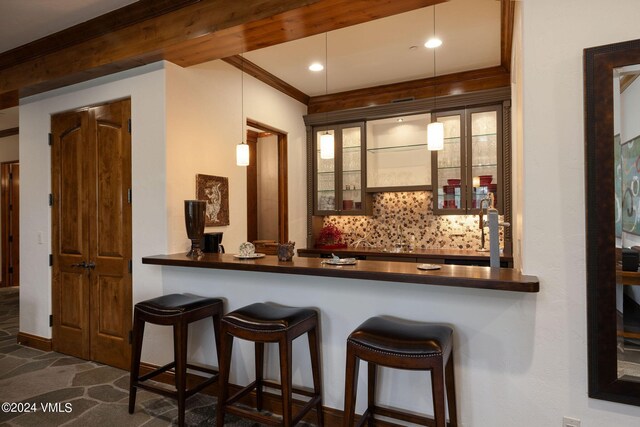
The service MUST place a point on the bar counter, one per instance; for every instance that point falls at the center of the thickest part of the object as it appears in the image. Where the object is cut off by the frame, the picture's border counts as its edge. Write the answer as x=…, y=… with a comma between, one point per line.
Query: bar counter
x=504, y=279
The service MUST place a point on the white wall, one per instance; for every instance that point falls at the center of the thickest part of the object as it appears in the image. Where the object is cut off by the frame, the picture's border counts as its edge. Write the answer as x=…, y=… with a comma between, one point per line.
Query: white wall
x=553, y=246
x=203, y=129
x=145, y=86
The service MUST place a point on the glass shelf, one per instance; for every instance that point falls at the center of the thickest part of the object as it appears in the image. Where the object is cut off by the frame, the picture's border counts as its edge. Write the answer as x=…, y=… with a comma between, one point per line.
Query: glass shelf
x=484, y=165
x=483, y=134
x=449, y=167
x=352, y=171
x=333, y=191
x=397, y=148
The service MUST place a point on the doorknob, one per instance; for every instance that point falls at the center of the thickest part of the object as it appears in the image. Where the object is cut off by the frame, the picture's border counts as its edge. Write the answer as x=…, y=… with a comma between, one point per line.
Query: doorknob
x=91, y=265
x=80, y=264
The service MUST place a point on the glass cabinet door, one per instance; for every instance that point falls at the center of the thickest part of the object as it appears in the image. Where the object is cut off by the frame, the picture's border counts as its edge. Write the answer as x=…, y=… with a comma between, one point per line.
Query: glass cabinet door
x=484, y=155
x=339, y=181
x=352, y=169
x=449, y=173
x=325, y=177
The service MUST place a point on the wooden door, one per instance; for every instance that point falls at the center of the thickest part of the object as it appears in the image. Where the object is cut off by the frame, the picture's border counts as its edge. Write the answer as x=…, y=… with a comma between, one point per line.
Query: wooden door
x=91, y=178
x=10, y=224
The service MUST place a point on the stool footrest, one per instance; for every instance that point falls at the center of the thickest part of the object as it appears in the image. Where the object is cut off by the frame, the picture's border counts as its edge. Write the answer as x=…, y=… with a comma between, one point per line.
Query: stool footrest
x=397, y=414
x=253, y=415
x=294, y=390
x=157, y=371
x=240, y=394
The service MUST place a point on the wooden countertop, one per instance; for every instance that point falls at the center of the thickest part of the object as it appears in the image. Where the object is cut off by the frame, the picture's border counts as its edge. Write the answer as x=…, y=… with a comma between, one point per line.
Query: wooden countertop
x=505, y=279
x=467, y=254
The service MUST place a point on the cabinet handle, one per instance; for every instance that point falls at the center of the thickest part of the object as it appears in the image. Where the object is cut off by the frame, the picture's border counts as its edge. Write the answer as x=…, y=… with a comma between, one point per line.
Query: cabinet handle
x=80, y=264
x=91, y=265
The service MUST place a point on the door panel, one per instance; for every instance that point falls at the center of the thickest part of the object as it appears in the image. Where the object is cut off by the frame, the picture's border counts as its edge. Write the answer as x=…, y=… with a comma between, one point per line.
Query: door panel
x=110, y=247
x=70, y=234
x=91, y=166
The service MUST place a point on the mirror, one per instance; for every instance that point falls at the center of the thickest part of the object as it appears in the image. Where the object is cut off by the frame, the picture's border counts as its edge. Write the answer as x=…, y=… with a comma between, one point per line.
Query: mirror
x=612, y=157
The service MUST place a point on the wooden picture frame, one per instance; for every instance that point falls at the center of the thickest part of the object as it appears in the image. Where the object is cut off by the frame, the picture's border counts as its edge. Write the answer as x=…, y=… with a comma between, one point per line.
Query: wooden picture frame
x=215, y=191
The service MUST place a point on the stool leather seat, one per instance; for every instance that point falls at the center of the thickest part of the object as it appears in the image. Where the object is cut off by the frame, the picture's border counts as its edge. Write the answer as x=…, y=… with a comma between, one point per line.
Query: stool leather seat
x=401, y=344
x=168, y=305
x=265, y=317
x=401, y=338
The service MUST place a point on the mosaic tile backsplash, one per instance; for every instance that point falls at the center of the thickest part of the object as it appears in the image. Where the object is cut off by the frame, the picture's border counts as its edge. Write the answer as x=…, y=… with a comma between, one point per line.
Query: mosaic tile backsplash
x=407, y=217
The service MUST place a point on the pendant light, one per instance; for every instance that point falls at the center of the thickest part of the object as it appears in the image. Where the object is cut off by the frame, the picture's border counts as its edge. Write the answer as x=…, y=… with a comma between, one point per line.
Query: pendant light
x=242, y=149
x=327, y=144
x=435, y=130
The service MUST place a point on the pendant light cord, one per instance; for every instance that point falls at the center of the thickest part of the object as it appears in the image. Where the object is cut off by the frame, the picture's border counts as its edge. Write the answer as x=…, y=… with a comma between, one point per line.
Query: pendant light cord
x=435, y=84
x=241, y=98
x=326, y=72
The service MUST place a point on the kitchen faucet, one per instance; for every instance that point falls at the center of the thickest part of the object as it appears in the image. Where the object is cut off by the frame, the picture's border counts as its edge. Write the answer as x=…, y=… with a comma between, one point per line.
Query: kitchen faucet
x=488, y=199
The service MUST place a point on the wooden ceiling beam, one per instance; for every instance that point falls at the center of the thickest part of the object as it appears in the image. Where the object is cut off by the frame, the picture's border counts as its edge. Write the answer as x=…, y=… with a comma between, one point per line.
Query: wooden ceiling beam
x=450, y=84
x=507, y=13
x=264, y=76
x=195, y=33
x=9, y=132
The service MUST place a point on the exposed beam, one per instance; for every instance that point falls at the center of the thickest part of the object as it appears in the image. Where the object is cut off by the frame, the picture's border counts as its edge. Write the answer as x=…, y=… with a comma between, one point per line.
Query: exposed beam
x=131, y=14
x=263, y=75
x=8, y=99
x=507, y=14
x=196, y=33
x=9, y=132
x=450, y=84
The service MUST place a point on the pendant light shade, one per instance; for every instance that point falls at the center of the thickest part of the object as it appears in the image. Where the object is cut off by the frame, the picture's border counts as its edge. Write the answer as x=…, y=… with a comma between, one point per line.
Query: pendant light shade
x=327, y=150
x=435, y=136
x=242, y=154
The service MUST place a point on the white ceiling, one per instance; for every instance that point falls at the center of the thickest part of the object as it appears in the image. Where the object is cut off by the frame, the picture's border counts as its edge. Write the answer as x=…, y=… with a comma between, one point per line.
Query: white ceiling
x=378, y=52
x=370, y=54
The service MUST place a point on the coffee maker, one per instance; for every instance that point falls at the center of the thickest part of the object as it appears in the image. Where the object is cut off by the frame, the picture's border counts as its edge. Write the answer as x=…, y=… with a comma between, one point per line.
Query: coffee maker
x=213, y=243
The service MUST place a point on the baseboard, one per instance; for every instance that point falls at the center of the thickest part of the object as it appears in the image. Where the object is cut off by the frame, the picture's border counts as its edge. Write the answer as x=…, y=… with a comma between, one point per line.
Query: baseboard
x=34, y=341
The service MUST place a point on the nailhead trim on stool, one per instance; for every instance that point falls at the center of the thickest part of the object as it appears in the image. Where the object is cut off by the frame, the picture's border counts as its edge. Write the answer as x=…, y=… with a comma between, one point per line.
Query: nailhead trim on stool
x=264, y=323
x=401, y=344
x=177, y=310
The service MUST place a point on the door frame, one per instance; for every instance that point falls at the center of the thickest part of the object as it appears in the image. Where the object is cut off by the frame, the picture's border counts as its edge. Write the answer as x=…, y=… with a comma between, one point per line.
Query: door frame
x=283, y=181
x=4, y=219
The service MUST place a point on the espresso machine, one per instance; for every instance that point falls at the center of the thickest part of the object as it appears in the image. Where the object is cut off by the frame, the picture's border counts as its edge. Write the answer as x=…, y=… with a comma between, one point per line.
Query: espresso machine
x=213, y=243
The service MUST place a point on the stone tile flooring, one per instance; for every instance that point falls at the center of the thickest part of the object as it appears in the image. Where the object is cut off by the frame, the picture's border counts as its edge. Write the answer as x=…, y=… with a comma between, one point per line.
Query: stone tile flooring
x=98, y=395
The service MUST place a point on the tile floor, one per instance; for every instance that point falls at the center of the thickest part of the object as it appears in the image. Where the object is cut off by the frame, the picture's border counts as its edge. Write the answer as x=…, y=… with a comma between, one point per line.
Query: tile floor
x=97, y=394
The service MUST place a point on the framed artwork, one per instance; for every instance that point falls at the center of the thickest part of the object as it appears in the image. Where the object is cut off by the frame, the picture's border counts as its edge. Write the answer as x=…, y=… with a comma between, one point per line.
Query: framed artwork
x=215, y=191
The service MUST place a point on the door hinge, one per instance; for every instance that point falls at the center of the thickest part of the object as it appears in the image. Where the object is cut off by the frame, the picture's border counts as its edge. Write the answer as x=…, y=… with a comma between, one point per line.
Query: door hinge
x=130, y=337
x=10, y=207
x=50, y=320
x=10, y=176
x=129, y=196
x=130, y=266
x=10, y=239
x=10, y=270
x=129, y=125
x=50, y=260
x=50, y=139
x=50, y=199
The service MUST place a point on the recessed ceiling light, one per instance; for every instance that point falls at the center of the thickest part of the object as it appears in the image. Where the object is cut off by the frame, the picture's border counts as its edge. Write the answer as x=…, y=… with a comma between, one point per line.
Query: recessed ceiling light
x=316, y=66
x=400, y=120
x=433, y=42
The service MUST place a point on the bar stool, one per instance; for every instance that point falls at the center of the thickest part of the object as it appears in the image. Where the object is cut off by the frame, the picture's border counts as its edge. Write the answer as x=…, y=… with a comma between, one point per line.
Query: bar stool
x=265, y=323
x=402, y=345
x=177, y=310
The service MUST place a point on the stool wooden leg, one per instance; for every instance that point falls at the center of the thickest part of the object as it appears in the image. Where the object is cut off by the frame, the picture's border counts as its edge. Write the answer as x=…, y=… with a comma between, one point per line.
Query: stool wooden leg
x=226, y=345
x=451, y=392
x=216, y=335
x=351, y=387
x=136, y=353
x=371, y=390
x=285, y=381
x=437, y=389
x=259, y=350
x=180, y=334
x=314, y=351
